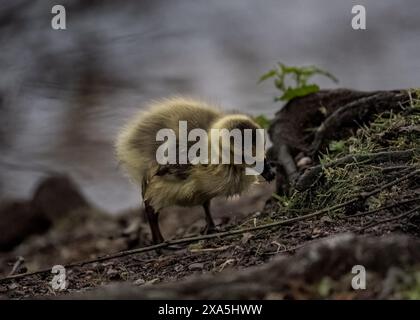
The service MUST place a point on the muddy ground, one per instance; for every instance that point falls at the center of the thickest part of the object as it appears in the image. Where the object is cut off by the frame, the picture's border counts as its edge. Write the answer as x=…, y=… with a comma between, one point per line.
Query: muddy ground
x=226, y=255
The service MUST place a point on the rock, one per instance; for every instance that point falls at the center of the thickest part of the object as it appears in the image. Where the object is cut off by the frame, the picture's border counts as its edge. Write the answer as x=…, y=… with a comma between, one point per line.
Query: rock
x=196, y=266
x=139, y=282
x=18, y=220
x=179, y=267
x=13, y=286
x=304, y=162
x=56, y=196
x=113, y=274
x=327, y=219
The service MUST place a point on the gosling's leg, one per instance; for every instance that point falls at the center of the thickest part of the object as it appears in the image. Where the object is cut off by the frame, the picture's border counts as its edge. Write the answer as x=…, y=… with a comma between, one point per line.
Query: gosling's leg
x=152, y=217
x=210, y=226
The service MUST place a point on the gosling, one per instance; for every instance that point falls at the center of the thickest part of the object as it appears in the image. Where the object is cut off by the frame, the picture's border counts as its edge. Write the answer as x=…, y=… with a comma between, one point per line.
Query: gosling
x=181, y=184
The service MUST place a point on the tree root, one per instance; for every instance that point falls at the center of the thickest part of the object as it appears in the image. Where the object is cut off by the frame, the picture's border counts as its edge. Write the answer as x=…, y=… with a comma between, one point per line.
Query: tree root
x=411, y=213
x=313, y=174
x=357, y=110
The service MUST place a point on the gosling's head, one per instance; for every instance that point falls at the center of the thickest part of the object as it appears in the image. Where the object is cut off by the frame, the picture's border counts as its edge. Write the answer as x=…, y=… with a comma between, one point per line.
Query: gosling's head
x=241, y=142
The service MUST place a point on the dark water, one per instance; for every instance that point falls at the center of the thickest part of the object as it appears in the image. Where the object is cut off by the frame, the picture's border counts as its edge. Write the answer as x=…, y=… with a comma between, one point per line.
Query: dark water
x=64, y=94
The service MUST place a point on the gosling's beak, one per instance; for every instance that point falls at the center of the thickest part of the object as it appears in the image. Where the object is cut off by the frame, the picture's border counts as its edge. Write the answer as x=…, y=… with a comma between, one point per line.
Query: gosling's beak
x=268, y=172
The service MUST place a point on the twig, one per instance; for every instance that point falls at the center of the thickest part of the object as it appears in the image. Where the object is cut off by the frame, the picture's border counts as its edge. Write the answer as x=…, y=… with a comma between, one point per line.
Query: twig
x=389, y=184
x=290, y=249
x=211, y=249
x=20, y=260
x=389, y=219
x=394, y=168
x=380, y=209
x=166, y=244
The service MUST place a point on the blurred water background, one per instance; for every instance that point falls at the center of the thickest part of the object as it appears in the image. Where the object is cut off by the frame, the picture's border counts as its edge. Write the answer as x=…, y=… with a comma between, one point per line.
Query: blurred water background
x=64, y=94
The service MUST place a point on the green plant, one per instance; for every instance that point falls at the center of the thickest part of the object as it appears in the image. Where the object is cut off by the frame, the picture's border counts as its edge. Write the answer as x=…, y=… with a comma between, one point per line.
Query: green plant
x=299, y=76
x=337, y=146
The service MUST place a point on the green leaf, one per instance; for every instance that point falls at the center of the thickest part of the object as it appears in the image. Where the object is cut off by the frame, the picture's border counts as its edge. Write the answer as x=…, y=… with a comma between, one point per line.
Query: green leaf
x=292, y=81
x=267, y=75
x=292, y=93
